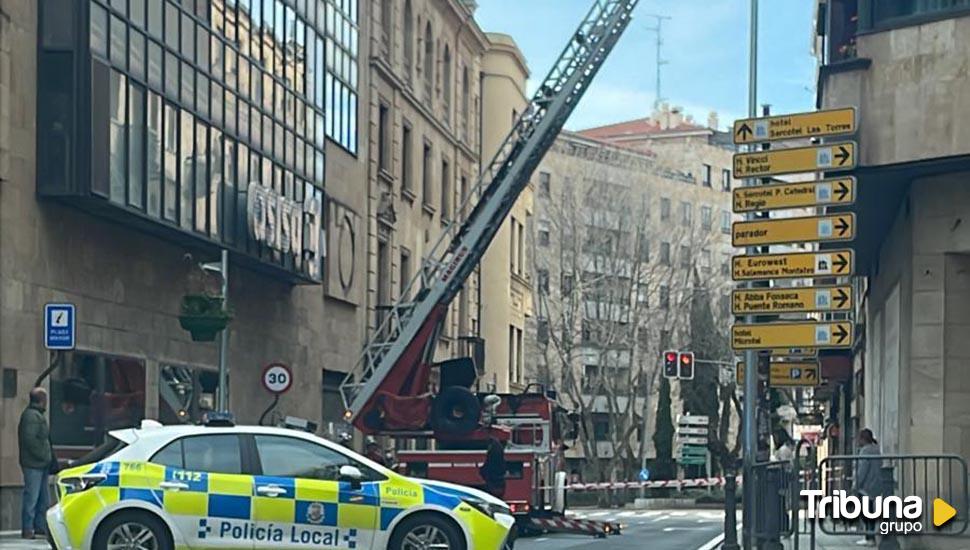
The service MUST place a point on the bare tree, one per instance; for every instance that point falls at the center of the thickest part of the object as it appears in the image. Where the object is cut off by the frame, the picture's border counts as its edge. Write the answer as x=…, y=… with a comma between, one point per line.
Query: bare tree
x=609, y=298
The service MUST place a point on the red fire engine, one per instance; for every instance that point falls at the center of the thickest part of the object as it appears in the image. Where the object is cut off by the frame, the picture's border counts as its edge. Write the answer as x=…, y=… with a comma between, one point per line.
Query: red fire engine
x=389, y=391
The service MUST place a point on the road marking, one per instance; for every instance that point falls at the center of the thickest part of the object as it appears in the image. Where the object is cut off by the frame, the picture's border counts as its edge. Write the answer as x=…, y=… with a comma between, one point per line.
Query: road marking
x=660, y=518
x=678, y=514
x=542, y=539
x=625, y=514
x=598, y=514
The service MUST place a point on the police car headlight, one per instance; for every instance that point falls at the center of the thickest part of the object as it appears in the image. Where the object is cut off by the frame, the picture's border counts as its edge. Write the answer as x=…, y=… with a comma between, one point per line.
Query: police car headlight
x=486, y=507
x=76, y=484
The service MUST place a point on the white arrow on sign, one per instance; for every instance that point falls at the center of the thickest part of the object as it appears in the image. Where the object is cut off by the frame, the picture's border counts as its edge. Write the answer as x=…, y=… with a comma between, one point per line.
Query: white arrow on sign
x=692, y=440
x=685, y=430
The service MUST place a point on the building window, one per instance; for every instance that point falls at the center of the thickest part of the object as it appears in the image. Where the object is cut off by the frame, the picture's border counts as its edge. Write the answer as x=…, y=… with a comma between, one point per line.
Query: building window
x=383, y=139
x=516, y=374
x=706, y=260
x=543, y=280
x=517, y=247
x=465, y=104
x=643, y=248
x=543, y=237
x=706, y=221
x=428, y=66
x=725, y=264
x=685, y=213
x=462, y=197
x=544, y=183
x=445, y=190
x=446, y=83
x=685, y=256
x=725, y=222
x=341, y=64
x=665, y=253
x=664, y=208
x=407, y=170
x=408, y=43
x=387, y=27
x=706, y=174
x=92, y=394
x=725, y=180
x=404, y=277
x=426, y=175
x=664, y=297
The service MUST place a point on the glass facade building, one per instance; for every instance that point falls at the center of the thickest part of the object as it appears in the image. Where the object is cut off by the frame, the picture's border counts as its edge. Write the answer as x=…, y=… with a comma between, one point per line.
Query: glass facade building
x=204, y=120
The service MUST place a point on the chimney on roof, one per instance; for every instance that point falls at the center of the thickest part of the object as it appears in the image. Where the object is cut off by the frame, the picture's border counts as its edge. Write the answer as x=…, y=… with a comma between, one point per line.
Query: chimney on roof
x=470, y=5
x=676, y=117
x=712, y=120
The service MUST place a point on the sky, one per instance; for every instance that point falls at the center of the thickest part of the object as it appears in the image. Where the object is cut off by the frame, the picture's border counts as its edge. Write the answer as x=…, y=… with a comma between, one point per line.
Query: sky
x=705, y=46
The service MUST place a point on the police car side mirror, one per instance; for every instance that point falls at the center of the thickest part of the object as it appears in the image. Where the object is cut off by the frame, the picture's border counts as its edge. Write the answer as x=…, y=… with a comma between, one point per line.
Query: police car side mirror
x=352, y=474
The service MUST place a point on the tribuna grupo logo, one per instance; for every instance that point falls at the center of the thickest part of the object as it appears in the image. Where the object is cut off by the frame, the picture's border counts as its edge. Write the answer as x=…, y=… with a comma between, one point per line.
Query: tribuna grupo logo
x=894, y=514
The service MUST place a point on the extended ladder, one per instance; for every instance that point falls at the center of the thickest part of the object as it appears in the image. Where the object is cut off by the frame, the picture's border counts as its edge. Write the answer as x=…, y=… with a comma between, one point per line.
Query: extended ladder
x=397, y=358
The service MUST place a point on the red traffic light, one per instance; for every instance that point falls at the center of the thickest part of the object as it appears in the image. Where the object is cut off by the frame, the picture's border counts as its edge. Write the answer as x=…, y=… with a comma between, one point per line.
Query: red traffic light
x=686, y=370
x=670, y=364
x=685, y=359
x=671, y=356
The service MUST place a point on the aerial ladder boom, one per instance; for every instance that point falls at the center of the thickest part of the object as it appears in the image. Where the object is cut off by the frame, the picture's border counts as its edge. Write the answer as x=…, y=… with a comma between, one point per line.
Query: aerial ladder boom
x=388, y=389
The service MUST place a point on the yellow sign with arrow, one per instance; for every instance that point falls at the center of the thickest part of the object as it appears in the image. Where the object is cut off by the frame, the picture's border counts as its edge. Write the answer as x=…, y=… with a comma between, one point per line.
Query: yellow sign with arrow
x=808, y=194
x=834, y=122
x=816, y=158
x=840, y=227
x=787, y=374
x=795, y=265
x=835, y=334
x=791, y=300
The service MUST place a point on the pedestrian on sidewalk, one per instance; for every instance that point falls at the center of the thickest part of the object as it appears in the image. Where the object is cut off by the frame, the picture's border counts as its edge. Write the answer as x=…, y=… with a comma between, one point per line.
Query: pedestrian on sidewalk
x=867, y=481
x=36, y=462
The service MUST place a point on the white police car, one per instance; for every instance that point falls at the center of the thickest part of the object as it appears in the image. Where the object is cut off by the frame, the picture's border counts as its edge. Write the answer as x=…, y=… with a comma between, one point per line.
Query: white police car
x=248, y=487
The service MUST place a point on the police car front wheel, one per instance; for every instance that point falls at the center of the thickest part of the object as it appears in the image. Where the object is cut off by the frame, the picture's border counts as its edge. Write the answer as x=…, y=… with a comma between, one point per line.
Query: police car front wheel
x=427, y=532
x=132, y=531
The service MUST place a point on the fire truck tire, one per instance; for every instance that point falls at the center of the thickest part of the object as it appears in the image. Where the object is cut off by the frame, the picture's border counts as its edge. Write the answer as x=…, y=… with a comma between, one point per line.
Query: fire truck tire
x=435, y=530
x=456, y=410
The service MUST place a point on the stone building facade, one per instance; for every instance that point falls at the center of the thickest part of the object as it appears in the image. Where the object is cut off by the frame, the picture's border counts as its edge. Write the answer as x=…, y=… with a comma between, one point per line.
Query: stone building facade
x=623, y=237
x=505, y=275
x=323, y=143
x=899, y=67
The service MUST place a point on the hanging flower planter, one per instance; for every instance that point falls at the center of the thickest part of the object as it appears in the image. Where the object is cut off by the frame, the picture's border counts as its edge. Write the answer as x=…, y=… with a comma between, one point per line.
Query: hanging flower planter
x=203, y=317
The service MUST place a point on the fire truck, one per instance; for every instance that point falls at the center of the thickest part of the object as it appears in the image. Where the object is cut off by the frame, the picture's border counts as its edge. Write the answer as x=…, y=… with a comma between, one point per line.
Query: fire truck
x=396, y=388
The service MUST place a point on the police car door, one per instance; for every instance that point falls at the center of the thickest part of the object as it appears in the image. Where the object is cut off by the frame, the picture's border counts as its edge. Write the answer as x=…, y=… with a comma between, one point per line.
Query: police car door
x=206, y=494
x=301, y=493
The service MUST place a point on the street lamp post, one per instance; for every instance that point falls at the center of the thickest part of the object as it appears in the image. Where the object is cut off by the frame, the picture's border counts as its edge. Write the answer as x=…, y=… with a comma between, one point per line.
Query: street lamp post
x=222, y=393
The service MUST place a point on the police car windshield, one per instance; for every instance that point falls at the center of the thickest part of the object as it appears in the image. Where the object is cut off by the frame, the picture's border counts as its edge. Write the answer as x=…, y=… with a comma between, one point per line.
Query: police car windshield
x=110, y=446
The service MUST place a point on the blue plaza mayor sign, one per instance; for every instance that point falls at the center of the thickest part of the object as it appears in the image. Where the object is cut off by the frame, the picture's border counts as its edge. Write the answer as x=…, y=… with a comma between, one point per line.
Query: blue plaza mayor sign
x=59, y=326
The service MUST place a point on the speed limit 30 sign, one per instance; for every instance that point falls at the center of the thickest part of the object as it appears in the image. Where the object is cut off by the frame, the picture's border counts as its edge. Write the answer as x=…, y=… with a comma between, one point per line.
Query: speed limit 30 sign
x=277, y=378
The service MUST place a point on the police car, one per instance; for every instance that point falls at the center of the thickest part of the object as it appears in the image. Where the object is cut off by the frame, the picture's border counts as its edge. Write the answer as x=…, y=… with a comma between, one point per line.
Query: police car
x=248, y=487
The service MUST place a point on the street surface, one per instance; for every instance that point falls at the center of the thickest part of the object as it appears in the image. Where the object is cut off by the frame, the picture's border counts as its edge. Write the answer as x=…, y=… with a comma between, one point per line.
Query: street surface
x=664, y=529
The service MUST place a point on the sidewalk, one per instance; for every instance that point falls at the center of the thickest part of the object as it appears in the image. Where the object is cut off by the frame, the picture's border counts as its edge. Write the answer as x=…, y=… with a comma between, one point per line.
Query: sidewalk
x=10, y=540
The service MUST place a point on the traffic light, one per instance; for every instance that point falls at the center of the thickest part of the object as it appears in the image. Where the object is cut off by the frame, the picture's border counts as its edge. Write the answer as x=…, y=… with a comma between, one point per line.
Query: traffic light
x=670, y=364
x=686, y=367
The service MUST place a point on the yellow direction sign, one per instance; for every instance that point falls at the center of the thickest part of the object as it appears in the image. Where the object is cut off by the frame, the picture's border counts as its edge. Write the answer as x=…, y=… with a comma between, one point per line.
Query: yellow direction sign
x=836, y=156
x=834, y=122
x=791, y=300
x=793, y=266
x=787, y=373
x=794, y=373
x=807, y=194
x=836, y=334
x=839, y=227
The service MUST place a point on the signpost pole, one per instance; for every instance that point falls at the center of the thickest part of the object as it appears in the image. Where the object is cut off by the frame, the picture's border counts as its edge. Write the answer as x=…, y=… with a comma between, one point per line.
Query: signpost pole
x=223, y=405
x=750, y=356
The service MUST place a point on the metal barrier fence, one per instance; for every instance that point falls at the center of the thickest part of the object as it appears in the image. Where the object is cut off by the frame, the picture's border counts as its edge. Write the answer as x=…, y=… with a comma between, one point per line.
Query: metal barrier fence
x=924, y=476
x=776, y=509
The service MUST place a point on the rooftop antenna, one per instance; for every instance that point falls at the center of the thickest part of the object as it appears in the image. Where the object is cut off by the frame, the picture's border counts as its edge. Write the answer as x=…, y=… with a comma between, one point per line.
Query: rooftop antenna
x=660, y=60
